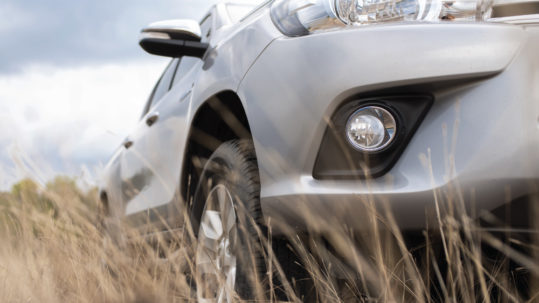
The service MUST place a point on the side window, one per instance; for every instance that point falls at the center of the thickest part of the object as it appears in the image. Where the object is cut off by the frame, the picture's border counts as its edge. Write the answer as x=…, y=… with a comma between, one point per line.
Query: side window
x=149, y=102
x=162, y=86
x=186, y=64
x=174, y=71
x=165, y=82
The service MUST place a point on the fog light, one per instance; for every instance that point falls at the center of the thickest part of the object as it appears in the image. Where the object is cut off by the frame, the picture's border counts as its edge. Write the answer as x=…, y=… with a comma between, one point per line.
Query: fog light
x=371, y=128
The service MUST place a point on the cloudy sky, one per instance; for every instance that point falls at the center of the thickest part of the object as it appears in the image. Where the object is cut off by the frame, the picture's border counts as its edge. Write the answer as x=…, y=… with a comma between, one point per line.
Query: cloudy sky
x=73, y=81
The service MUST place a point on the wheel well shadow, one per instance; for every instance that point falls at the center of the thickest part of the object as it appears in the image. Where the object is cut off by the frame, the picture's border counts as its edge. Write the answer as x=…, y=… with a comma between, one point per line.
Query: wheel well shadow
x=221, y=118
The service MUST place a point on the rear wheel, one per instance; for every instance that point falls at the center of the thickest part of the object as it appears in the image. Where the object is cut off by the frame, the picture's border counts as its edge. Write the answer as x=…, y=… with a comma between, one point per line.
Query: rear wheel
x=229, y=259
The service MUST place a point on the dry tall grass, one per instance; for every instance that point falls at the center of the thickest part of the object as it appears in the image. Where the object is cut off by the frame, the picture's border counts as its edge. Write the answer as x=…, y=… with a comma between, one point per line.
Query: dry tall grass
x=54, y=250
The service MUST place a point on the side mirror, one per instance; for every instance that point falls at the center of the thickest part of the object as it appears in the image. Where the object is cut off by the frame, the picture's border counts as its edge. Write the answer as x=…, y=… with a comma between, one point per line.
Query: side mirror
x=173, y=38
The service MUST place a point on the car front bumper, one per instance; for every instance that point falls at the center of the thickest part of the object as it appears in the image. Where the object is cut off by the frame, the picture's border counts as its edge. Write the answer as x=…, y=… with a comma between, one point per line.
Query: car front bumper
x=478, y=144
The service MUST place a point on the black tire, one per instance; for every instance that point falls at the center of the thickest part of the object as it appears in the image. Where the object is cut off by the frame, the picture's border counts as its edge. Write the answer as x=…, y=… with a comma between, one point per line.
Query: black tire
x=232, y=168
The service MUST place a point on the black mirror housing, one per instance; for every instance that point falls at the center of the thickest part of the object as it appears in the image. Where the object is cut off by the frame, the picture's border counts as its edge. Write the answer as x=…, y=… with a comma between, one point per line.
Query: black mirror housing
x=173, y=38
x=174, y=48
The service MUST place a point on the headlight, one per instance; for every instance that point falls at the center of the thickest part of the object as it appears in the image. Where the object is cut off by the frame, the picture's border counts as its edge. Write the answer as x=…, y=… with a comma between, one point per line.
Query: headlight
x=301, y=17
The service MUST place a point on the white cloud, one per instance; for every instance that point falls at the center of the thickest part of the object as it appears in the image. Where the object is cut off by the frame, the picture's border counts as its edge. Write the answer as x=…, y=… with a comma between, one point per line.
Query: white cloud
x=62, y=118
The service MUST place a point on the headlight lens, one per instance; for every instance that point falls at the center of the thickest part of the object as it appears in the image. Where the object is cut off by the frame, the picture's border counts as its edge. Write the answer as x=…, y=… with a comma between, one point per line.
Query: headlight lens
x=301, y=17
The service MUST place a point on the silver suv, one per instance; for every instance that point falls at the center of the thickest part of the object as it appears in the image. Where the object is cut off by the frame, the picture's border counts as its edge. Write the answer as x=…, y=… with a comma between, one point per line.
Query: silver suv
x=292, y=113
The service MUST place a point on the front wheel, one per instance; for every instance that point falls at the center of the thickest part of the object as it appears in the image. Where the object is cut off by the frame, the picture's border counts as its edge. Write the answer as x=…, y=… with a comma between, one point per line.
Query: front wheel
x=229, y=260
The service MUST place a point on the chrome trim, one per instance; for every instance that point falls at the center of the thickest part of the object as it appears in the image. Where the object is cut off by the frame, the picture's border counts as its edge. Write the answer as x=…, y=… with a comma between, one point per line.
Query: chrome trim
x=176, y=26
x=154, y=35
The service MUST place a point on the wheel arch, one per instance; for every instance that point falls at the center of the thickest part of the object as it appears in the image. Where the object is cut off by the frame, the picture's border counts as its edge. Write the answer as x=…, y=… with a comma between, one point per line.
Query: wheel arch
x=220, y=118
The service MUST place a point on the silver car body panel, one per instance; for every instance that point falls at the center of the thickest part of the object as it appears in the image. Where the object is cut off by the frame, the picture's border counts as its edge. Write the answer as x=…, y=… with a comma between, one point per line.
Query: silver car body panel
x=481, y=135
x=152, y=166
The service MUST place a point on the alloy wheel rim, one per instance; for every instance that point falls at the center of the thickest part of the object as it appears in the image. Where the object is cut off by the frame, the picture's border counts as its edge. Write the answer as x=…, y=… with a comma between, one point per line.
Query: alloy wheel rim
x=215, y=257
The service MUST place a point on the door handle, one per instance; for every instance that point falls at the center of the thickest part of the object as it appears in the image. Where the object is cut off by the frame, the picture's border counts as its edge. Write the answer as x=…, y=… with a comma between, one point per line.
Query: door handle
x=127, y=143
x=152, y=118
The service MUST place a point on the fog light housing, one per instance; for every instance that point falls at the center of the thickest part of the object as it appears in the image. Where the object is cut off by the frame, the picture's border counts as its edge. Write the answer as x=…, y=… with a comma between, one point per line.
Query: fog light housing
x=371, y=129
